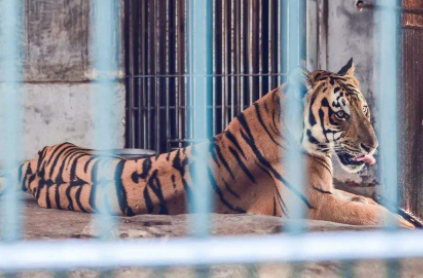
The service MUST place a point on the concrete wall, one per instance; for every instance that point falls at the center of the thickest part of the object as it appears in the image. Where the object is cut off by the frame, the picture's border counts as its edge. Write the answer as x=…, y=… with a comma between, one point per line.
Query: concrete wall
x=57, y=71
x=345, y=32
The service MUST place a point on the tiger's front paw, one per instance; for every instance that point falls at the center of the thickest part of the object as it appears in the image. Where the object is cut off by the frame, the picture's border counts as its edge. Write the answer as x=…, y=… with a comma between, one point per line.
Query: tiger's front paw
x=390, y=218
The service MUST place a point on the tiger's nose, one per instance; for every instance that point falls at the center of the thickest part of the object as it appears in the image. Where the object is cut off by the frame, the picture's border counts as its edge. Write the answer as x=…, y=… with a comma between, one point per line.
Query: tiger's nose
x=366, y=148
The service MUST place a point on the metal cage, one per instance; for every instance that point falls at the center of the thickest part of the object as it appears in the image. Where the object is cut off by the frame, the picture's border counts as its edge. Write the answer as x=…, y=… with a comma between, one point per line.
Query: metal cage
x=246, y=65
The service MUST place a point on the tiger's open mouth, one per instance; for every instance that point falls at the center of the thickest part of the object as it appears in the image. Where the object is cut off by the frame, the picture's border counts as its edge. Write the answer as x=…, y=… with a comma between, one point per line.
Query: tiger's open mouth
x=366, y=158
x=355, y=162
x=354, y=159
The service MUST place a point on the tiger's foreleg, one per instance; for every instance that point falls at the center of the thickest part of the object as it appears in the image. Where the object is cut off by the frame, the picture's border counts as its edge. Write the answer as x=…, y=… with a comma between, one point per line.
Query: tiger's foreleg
x=353, y=197
x=331, y=207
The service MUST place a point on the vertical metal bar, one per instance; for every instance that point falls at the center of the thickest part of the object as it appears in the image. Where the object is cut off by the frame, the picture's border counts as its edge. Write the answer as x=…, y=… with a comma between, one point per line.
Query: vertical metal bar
x=231, y=57
x=293, y=112
x=142, y=81
x=270, y=45
x=139, y=58
x=105, y=61
x=237, y=61
x=225, y=70
x=178, y=72
x=387, y=105
x=150, y=69
x=260, y=48
x=242, y=54
x=129, y=30
x=284, y=31
x=12, y=112
x=214, y=69
x=281, y=40
x=250, y=51
x=167, y=80
x=200, y=59
x=157, y=71
x=187, y=69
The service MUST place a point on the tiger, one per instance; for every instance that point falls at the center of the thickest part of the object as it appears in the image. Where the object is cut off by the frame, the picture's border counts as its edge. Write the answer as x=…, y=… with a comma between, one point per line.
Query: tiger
x=246, y=172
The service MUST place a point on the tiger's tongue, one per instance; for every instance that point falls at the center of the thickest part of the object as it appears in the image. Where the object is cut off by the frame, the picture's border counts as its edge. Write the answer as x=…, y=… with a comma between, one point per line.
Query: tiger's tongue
x=369, y=159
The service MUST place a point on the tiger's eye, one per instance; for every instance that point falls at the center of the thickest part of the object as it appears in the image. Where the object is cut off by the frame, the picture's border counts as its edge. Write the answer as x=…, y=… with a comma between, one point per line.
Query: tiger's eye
x=365, y=109
x=340, y=114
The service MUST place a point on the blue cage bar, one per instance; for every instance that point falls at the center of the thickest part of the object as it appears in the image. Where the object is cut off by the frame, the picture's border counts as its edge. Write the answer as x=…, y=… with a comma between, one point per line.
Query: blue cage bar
x=62, y=255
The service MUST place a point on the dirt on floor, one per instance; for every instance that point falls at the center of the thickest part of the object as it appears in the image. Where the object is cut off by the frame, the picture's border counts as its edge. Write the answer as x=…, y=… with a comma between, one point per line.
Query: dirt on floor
x=55, y=224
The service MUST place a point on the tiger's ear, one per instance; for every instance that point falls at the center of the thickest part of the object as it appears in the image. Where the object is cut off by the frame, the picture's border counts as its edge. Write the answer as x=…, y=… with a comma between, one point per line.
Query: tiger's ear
x=307, y=78
x=348, y=69
x=302, y=79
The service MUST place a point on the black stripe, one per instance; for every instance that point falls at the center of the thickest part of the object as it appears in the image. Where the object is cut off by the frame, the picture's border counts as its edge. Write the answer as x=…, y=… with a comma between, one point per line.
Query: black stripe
x=321, y=190
x=180, y=165
x=41, y=156
x=48, y=203
x=242, y=165
x=120, y=189
x=230, y=190
x=65, y=158
x=322, y=124
x=72, y=173
x=68, y=196
x=311, y=118
x=147, y=200
x=274, y=206
x=94, y=185
x=323, y=163
x=56, y=149
x=57, y=196
x=260, y=119
x=224, y=162
x=311, y=138
x=27, y=174
x=173, y=181
x=78, y=198
x=219, y=193
x=232, y=138
x=155, y=185
x=212, y=152
x=146, y=167
x=87, y=163
x=250, y=141
x=53, y=166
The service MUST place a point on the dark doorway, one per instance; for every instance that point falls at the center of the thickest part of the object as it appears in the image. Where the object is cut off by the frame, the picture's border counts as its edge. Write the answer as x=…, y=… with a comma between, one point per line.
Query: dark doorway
x=246, y=65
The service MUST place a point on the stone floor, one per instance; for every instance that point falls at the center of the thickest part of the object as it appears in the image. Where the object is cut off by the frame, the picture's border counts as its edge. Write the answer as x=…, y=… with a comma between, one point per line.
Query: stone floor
x=54, y=224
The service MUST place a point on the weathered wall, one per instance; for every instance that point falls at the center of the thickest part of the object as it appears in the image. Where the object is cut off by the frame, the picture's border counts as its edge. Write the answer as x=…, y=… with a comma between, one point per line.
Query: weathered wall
x=55, y=113
x=345, y=33
x=57, y=71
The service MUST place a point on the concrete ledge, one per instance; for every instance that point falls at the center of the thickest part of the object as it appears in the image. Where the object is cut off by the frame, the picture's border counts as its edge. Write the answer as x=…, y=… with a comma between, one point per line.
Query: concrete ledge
x=54, y=224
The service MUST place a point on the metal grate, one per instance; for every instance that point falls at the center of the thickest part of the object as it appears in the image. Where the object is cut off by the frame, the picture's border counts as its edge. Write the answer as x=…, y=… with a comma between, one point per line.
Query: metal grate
x=246, y=65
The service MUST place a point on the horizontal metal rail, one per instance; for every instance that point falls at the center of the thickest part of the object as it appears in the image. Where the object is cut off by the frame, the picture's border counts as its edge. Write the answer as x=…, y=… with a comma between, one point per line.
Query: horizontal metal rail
x=69, y=254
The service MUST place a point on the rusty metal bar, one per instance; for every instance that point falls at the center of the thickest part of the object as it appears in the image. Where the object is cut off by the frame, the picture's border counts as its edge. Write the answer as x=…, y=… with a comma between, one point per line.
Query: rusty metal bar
x=362, y=5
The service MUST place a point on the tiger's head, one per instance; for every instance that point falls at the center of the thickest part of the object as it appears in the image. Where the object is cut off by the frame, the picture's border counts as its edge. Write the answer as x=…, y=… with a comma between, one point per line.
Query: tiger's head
x=337, y=118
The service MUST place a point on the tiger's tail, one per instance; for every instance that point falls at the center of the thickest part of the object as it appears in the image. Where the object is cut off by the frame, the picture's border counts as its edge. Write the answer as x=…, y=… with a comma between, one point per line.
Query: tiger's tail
x=18, y=178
